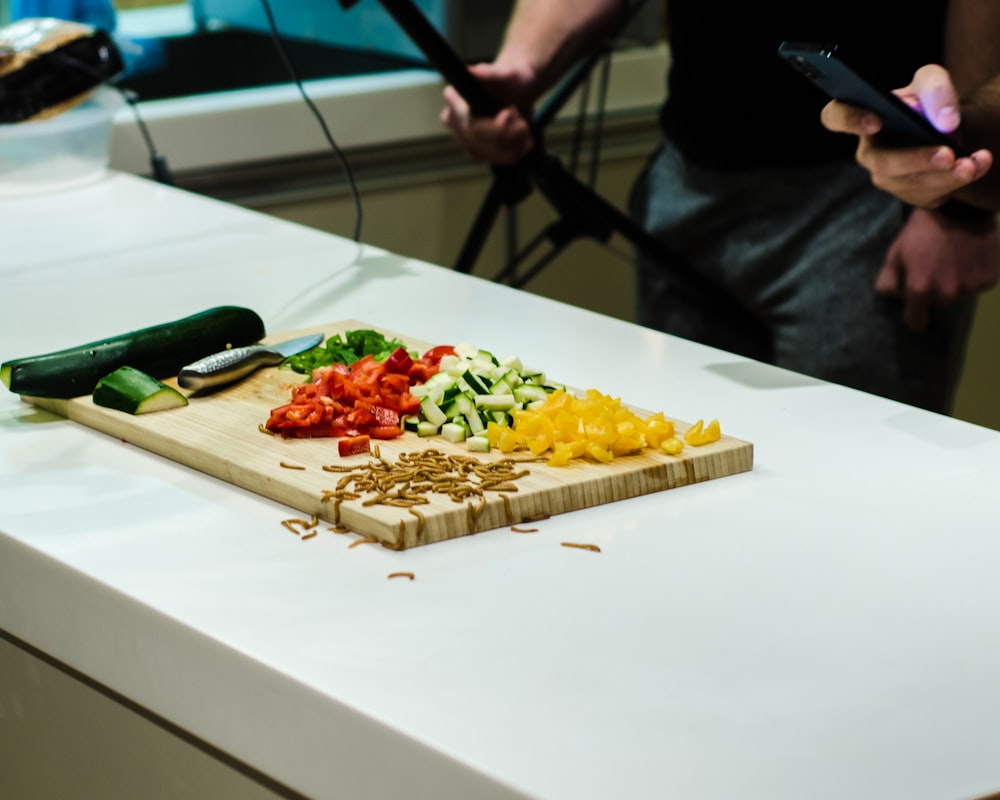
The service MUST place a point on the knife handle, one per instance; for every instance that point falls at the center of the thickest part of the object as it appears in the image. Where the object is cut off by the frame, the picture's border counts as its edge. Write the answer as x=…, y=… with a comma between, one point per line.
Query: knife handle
x=227, y=366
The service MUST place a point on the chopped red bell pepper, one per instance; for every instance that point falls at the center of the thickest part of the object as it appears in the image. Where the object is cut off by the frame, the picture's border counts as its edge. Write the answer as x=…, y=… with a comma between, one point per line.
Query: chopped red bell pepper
x=354, y=445
x=385, y=431
x=399, y=361
x=419, y=372
x=435, y=354
x=366, y=398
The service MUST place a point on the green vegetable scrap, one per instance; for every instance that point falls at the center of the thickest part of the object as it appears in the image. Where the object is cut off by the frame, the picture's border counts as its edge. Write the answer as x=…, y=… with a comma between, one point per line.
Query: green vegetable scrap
x=134, y=392
x=345, y=348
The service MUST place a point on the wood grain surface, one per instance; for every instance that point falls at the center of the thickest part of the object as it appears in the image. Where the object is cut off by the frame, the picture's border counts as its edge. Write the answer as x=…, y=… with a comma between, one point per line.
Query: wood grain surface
x=219, y=433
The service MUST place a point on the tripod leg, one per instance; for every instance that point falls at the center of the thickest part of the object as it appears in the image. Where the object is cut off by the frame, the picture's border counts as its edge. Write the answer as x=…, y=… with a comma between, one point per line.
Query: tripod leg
x=591, y=213
x=491, y=206
x=510, y=186
x=508, y=274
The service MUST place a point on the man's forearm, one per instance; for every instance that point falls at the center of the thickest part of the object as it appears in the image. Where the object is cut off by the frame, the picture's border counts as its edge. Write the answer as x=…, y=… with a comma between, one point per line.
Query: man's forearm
x=545, y=37
x=972, y=56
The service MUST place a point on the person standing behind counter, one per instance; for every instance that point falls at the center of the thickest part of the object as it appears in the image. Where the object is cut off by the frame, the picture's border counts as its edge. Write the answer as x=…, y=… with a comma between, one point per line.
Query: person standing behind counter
x=798, y=260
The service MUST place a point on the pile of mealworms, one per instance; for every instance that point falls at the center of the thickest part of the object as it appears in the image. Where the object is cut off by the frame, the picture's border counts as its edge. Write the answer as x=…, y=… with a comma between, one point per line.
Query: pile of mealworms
x=413, y=477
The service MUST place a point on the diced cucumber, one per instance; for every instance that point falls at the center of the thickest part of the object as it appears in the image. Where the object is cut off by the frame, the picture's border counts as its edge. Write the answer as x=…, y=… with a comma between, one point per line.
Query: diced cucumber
x=501, y=418
x=475, y=422
x=454, y=432
x=460, y=406
x=512, y=363
x=439, y=379
x=410, y=423
x=466, y=404
x=425, y=428
x=472, y=387
x=486, y=355
x=495, y=402
x=501, y=387
x=134, y=392
x=437, y=387
x=432, y=412
x=529, y=393
x=450, y=393
x=478, y=444
x=483, y=367
x=474, y=384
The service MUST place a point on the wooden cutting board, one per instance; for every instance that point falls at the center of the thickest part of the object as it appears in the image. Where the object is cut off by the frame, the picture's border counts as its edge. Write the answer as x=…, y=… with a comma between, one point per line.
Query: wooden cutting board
x=220, y=434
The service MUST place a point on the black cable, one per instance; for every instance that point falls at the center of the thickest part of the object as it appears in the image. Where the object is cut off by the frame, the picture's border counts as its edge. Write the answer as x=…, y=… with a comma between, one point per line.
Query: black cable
x=319, y=117
x=157, y=161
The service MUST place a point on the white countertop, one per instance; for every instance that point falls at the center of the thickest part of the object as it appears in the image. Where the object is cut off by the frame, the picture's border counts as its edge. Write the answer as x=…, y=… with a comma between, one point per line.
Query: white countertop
x=822, y=627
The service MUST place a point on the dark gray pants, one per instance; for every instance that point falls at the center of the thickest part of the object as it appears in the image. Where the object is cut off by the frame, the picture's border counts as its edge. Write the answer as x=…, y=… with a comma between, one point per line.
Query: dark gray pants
x=781, y=267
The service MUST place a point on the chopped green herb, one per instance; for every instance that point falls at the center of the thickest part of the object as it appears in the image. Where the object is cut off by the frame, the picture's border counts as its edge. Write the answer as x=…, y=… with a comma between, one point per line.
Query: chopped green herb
x=345, y=348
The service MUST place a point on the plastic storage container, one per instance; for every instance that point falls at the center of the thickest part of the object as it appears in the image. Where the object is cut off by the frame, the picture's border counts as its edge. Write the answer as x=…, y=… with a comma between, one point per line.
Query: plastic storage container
x=70, y=149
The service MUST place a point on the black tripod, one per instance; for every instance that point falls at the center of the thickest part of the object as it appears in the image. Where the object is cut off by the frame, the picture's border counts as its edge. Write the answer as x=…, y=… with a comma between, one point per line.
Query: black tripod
x=581, y=211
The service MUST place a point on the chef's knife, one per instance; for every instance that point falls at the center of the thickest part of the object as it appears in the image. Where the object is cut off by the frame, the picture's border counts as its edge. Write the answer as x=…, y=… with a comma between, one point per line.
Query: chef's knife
x=228, y=366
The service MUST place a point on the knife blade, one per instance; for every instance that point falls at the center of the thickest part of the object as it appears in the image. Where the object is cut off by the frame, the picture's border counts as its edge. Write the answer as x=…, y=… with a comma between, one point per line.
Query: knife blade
x=231, y=365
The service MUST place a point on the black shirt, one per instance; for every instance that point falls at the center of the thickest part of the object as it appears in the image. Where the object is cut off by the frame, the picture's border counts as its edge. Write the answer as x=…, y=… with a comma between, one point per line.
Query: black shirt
x=733, y=103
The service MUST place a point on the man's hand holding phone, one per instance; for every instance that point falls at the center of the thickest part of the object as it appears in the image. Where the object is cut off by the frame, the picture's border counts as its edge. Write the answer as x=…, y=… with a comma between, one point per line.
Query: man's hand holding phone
x=921, y=176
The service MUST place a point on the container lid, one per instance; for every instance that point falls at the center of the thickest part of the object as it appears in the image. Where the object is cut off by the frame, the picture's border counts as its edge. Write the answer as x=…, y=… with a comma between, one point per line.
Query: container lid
x=102, y=104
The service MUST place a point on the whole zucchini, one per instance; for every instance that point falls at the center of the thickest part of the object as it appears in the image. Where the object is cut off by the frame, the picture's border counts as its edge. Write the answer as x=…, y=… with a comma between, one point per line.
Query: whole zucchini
x=160, y=351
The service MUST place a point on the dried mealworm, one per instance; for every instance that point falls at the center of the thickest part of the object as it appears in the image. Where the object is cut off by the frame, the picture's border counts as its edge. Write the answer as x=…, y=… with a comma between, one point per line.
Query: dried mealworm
x=420, y=523
x=366, y=540
x=592, y=547
x=499, y=486
x=305, y=524
x=413, y=477
x=286, y=465
x=380, y=498
x=401, y=575
x=523, y=530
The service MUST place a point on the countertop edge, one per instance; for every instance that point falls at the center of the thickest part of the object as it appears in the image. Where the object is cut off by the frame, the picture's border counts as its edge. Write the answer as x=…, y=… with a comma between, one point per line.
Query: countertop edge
x=246, y=126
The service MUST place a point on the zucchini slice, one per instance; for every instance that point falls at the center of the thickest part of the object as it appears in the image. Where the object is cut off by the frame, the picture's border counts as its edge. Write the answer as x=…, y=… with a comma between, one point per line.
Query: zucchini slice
x=160, y=351
x=134, y=392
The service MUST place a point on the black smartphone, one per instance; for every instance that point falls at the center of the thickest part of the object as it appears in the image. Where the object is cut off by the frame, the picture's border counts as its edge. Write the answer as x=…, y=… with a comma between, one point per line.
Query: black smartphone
x=902, y=126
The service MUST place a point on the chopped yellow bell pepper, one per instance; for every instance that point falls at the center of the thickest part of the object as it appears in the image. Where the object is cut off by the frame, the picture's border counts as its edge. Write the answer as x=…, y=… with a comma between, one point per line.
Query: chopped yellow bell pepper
x=672, y=446
x=595, y=426
x=699, y=434
x=658, y=429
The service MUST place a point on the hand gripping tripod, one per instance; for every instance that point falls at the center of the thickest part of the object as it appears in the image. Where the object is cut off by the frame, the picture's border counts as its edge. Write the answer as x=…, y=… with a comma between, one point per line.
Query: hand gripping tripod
x=581, y=211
